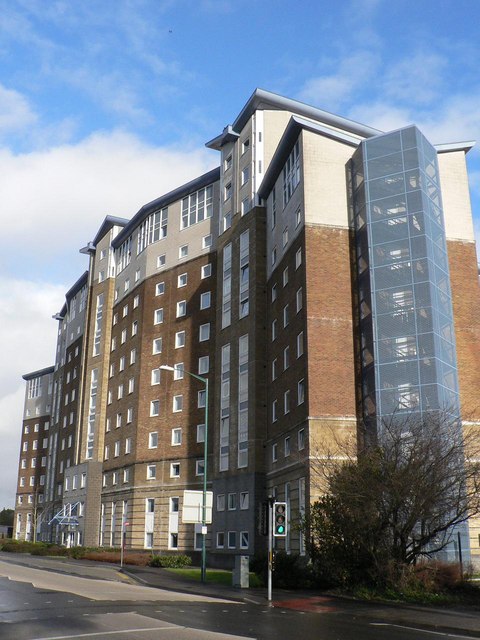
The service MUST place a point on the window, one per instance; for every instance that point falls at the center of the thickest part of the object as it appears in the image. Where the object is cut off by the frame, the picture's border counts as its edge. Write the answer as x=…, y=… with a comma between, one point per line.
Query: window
x=116, y=449
x=154, y=407
x=126, y=475
x=152, y=229
x=129, y=415
x=226, y=221
x=200, y=433
x=274, y=255
x=285, y=277
x=151, y=471
x=158, y=316
x=125, y=311
x=285, y=237
x=274, y=369
x=148, y=540
x=301, y=439
x=175, y=470
x=205, y=300
x=232, y=539
x=118, y=422
x=300, y=344
x=153, y=440
x=299, y=299
x=287, y=446
x=274, y=452
x=207, y=241
x=274, y=411
x=202, y=398
x=136, y=301
x=206, y=271
x=182, y=280
x=286, y=402
x=177, y=403
x=181, y=308
x=244, y=500
x=285, y=315
x=179, y=339
x=274, y=330
x=128, y=445
x=245, y=175
x=298, y=217
x=160, y=288
x=274, y=292
x=124, y=336
x=176, y=436
x=286, y=358
x=133, y=356
x=155, y=376
x=220, y=539
x=232, y=501
x=245, y=145
x=301, y=392
x=245, y=207
x=221, y=502
x=134, y=328
x=227, y=163
x=157, y=346
x=161, y=261
x=203, y=364
x=197, y=206
x=131, y=385
x=183, y=251
x=243, y=539
x=204, y=332
x=291, y=173
x=178, y=371
x=120, y=392
x=199, y=467
x=227, y=192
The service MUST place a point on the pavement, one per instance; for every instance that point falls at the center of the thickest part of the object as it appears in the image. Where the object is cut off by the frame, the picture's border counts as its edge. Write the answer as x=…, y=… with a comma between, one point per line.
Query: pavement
x=442, y=621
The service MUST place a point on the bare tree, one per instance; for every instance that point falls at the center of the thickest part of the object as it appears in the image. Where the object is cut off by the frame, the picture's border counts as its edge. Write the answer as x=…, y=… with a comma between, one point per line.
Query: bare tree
x=399, y=499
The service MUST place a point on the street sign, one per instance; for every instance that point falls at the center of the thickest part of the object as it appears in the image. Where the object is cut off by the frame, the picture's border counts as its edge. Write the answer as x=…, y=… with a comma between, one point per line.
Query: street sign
x=193, y=507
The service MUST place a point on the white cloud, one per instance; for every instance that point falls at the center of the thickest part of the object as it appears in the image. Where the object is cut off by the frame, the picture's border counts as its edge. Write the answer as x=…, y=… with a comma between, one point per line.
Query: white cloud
x=15, y=111
x=417, y=79
x=55, y=200
x=333, y=90
x=27, y=343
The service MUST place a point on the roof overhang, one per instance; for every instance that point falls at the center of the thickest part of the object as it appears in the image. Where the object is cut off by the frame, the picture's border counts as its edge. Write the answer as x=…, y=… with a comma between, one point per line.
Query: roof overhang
x=292, y=131
x=203, y=181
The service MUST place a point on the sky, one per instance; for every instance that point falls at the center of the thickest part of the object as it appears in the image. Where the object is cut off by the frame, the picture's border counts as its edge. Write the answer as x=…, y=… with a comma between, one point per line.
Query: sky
x=104, y=106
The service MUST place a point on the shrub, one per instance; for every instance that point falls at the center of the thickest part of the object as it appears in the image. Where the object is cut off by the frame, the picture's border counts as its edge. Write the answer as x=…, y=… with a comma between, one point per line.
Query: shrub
x=170, y=562
x=291, y=571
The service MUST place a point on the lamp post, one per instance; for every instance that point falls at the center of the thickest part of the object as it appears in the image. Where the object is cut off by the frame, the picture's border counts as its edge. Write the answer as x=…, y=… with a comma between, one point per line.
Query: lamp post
x=167, y=367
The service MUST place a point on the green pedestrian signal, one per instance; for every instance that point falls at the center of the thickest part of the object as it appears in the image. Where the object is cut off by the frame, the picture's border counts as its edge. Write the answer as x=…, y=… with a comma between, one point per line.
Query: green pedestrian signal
x=280, y=519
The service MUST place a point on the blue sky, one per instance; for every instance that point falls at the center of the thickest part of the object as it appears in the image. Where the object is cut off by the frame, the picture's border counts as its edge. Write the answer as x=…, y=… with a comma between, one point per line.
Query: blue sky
x=106, y=105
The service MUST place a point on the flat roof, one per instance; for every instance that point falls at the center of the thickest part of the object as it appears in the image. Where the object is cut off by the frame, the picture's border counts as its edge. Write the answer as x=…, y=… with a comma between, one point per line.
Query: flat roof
x=38, y=374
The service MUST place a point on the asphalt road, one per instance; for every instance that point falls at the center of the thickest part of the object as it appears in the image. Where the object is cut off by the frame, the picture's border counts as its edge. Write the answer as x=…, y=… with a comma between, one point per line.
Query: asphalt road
x=36, y=604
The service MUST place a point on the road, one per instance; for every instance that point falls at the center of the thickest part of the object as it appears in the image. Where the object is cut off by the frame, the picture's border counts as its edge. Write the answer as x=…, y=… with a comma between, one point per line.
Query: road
x=37, y=604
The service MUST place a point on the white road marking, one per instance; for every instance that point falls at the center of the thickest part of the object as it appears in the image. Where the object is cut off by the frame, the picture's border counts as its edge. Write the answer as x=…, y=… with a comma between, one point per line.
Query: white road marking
x=434, y=633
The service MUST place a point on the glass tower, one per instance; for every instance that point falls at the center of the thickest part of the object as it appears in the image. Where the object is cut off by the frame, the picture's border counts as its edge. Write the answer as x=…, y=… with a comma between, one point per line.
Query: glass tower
x=407, y=342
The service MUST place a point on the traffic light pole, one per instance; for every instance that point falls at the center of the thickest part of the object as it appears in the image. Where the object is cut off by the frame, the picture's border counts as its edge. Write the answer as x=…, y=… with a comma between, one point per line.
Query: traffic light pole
x=270, y=548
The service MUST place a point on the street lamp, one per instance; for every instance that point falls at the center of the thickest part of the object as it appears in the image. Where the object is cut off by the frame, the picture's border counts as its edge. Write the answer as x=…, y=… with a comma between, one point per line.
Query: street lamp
x=167, y=367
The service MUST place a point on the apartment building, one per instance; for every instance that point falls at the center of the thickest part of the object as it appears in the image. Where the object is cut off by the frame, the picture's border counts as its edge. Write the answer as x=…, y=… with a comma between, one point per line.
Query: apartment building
x=322, y=277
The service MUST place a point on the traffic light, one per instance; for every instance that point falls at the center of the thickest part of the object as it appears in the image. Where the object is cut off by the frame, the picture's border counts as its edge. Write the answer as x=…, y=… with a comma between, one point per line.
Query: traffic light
x=280, y=519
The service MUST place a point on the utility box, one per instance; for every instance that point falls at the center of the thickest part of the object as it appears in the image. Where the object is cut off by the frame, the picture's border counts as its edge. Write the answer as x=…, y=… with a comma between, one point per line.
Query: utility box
x=240, y=576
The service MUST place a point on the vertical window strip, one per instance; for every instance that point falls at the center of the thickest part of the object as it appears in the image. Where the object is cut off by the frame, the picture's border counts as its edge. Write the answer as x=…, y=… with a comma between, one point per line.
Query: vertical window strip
x=243, y=401
x=225, y=409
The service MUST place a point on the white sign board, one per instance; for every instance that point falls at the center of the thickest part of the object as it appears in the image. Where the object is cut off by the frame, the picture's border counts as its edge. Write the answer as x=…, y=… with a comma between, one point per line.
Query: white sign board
x=192, y=507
